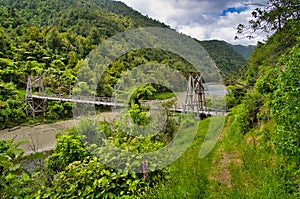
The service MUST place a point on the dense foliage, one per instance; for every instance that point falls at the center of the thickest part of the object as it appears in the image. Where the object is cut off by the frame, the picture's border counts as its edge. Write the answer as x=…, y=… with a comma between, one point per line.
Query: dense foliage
x=270, y=15
x=272, y=97
x=51, y=38
x=285, y=105
x=12, y=109
x=15, y=180
x=78, y=165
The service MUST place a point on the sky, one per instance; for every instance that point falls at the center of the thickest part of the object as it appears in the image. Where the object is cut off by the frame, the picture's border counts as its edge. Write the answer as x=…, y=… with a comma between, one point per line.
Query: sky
x=201, y=19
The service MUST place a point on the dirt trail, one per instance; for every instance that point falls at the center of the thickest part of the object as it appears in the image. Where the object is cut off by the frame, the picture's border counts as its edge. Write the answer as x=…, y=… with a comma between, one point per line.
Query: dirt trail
x=223, y=174
x=42, y=137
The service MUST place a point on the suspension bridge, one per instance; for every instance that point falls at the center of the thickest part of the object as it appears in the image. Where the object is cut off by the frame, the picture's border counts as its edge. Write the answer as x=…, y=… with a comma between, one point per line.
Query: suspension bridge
x=195, y=101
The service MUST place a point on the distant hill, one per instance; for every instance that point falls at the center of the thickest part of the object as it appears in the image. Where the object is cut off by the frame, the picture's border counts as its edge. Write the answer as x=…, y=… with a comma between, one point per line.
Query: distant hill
x=245, y=51
x=224, y=55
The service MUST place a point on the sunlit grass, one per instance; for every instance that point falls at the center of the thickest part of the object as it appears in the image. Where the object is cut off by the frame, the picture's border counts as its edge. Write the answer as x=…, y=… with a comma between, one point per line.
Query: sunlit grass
x=188, y=175
x=163, y=96
x=254, y=167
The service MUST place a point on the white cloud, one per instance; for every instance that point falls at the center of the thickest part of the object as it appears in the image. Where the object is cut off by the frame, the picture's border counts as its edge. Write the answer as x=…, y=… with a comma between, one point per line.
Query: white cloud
x=198, y=18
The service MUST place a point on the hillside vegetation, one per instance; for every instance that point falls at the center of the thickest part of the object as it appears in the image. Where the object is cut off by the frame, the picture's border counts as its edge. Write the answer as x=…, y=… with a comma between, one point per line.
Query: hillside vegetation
x=52, y=38
x=245, y=51
x=268, y=112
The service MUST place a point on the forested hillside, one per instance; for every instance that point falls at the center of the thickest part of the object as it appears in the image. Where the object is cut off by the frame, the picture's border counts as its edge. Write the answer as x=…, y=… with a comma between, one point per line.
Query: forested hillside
x=245, y=51
x=52, y=37
x=226, y=58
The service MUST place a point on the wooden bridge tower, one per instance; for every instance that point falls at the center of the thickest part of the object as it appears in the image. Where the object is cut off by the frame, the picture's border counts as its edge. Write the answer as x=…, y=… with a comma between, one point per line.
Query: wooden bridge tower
x=195, y=96
x=34, y=105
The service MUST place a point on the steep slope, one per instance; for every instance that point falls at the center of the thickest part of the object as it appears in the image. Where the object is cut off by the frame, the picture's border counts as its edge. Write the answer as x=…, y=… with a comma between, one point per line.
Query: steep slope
x=225, y=57
x=268, y=117
x=120, y=8
x=245, y=51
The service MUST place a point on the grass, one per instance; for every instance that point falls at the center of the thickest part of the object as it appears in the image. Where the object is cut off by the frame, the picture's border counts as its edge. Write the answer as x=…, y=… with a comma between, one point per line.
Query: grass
x=163, y=96
x=233, y=135
x=188, y=174
x=256, y=170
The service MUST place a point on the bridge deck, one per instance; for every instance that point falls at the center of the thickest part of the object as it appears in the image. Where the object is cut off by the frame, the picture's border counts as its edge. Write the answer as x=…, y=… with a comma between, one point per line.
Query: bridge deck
x=97, y=100
x=105, y=101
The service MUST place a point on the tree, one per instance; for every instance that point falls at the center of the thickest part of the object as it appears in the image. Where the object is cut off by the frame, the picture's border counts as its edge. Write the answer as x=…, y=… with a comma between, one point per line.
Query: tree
x=11, y=106
x=141, y=93
x=4, y=42
x=271, y=16
x=52, y=39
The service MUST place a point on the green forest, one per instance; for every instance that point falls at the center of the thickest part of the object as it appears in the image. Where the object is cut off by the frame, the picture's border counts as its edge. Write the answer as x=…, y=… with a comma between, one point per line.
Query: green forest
x=52, y=38
x=258, y=152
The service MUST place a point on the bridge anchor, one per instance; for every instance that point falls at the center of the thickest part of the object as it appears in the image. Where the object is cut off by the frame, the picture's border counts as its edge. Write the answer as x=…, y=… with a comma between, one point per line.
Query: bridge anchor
x=34, y=106
x=195, y=96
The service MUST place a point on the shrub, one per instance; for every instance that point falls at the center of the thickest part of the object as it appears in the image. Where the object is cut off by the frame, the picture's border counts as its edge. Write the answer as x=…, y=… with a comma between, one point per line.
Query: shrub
x=91, y=179
x=248, y=111
x=15, y=181
x=69, y=148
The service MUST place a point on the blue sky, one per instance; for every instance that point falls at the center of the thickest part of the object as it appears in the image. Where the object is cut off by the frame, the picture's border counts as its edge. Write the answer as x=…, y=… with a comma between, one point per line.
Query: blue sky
x=233, y=10
x=201, y=19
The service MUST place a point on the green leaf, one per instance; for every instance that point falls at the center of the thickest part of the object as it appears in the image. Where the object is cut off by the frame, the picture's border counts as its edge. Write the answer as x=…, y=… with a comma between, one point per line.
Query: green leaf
x=25, y=177
x=38, y=155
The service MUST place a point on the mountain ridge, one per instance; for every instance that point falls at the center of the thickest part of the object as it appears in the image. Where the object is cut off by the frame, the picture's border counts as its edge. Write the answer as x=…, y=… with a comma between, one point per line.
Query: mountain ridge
x=96, y=19
x=245, y=51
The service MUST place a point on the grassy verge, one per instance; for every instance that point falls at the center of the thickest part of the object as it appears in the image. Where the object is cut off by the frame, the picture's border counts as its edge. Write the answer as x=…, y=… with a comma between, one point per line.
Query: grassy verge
x=188, y=175
x=256, y=170
x=240, y=166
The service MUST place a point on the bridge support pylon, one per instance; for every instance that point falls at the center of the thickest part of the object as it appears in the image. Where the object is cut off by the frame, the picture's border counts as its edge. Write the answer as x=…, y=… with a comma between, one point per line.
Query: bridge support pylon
x=34, y=106
x=195, y=96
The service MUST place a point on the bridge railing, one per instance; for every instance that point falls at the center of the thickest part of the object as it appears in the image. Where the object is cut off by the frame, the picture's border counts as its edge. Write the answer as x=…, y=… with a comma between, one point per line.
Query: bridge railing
x=120, y=102
x=59, y=97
